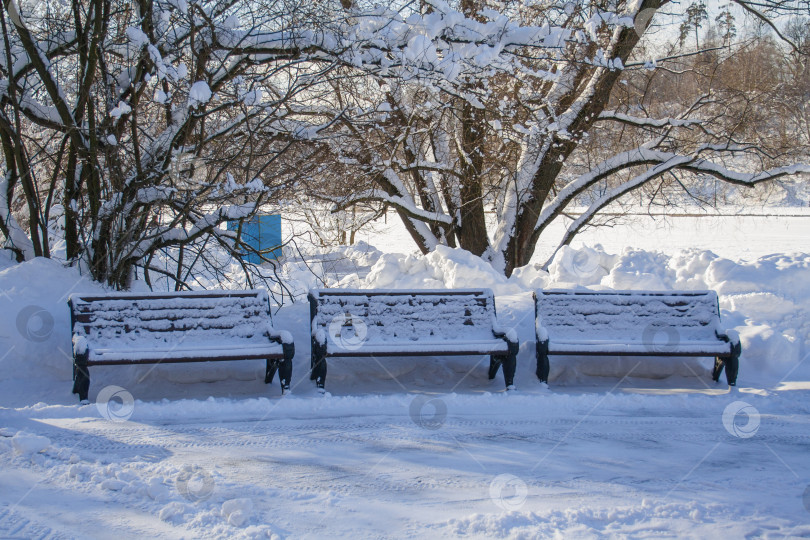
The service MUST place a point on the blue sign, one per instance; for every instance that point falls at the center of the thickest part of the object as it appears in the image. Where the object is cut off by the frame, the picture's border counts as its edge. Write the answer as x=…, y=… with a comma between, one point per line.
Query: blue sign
x=262, y=233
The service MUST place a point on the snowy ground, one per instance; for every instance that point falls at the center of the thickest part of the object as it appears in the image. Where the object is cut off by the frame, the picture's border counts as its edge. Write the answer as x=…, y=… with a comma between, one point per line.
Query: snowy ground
x=429, y=447
x=481, y=466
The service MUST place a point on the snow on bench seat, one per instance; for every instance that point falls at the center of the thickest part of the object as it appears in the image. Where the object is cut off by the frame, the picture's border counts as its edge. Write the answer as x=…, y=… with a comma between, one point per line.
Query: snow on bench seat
x=189, y=326
x=697, y=348
x=217, y=351
x=395, y=322
x=420, y=348
x=632, y=323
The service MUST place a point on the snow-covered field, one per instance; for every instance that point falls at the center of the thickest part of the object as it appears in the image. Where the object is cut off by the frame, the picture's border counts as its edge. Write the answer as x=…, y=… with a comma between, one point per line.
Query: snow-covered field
x=428, y=447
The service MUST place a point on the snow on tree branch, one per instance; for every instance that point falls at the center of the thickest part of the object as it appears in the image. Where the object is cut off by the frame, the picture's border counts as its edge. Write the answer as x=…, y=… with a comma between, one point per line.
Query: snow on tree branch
x=399, y=202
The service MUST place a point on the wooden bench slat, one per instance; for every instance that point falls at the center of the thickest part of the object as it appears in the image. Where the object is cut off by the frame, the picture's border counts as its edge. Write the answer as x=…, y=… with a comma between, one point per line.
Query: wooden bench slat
x=401, y=292
x=81, y=298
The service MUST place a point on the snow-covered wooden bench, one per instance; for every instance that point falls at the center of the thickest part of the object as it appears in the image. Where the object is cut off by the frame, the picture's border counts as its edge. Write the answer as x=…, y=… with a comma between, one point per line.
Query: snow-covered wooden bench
x=633, y=323
x=377, y=323
x=177, y=327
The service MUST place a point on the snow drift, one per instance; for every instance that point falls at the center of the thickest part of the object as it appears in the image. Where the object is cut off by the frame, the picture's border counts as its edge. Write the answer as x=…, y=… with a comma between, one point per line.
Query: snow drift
x=767, y=301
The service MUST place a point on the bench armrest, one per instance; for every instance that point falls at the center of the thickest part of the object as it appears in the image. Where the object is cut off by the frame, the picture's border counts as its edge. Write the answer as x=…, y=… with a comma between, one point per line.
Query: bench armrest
x=79, y=345
x=282, y=336
x=729, y=335
x=509, y=334
x=540, y=331
x=318, y=335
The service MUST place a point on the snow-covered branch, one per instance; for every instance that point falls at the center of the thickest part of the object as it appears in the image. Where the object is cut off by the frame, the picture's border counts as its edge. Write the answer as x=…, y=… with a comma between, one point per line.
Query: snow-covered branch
x=404, y=204
x=649, y=122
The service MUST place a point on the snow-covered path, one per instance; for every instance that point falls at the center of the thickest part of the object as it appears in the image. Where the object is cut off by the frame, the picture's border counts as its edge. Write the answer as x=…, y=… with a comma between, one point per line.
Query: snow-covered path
x=579, y=464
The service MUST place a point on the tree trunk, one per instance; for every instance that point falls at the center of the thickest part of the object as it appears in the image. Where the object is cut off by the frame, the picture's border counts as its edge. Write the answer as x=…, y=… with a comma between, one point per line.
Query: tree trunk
x=472, y=229
x=72, y=194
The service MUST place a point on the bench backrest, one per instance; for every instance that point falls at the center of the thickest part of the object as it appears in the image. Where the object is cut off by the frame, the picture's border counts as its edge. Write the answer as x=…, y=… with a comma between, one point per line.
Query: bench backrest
x=155, y=318
x=568, y=315
x=384, y=316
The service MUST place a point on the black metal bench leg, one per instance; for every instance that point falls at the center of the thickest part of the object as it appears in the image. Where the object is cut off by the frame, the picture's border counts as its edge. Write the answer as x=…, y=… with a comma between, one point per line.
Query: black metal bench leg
x=494, y=364
x=313, y=359
x=81, y=378
x=285, y=367
x=733, y=364
x=718, y=368
x=285, y=375
x=318, y=364
x=509, y=366
x=270, y=371
x=320, y=372
x=542, y=361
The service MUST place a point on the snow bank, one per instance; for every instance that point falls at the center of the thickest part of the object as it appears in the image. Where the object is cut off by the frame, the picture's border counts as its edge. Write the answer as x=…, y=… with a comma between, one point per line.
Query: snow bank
x=28, y=443
x=36, y=352
x=586, y=266
x=444, y=268
x=682, y=519
x=338, y=266
x=767, y=301
x=172, y=512
x=35, y=319
x=6, y=259
x=237, y=511
x=638, y=269
x=294, y=408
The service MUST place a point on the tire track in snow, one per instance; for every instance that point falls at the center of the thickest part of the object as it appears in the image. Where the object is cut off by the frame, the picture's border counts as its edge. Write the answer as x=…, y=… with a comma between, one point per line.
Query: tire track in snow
x=14, y=525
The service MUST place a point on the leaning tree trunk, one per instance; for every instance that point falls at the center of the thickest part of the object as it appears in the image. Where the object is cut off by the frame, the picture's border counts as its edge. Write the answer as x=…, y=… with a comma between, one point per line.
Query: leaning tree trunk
x=586, y=100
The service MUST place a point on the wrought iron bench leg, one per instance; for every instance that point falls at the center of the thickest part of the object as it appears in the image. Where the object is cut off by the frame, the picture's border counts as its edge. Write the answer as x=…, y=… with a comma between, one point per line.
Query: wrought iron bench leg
x=81, y=376
x=313, y=359
x=510, y=365
x=318, y=364
x=494, y=364
x=542, y=361
x=718, y=368
x=270, y=371
x=733, y=364
x=320, y=373
x=508, y=361
x=285, y=367
x=284, y=375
